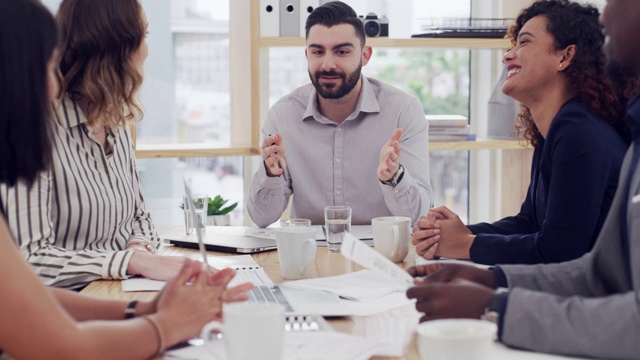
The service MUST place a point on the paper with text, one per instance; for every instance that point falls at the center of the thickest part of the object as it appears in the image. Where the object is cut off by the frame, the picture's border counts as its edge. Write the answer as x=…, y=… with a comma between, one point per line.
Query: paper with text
x=360, y=285
x=361, y=254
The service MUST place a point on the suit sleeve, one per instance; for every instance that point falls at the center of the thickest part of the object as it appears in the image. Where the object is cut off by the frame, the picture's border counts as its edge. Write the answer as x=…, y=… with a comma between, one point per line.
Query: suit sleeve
x=601, y=327
x=413, y=196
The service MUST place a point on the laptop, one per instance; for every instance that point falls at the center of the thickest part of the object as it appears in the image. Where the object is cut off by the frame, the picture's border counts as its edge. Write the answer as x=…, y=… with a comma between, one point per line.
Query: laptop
x=301, y=301
x=230, y=239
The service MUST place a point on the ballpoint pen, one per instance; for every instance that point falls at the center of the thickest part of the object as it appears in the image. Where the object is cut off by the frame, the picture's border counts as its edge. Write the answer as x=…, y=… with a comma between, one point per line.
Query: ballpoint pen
x=197, y=225
x=279, y=163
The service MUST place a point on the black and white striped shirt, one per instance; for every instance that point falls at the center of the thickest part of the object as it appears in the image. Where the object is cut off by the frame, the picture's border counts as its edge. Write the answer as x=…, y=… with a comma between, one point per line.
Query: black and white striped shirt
x=77, y=218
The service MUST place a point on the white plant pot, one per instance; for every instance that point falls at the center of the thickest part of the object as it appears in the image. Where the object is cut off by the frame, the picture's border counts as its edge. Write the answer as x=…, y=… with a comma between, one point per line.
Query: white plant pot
x=219, y=220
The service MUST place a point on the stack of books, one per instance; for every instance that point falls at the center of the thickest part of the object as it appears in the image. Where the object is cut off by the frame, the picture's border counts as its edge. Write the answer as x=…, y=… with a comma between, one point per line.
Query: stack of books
x=449, y=128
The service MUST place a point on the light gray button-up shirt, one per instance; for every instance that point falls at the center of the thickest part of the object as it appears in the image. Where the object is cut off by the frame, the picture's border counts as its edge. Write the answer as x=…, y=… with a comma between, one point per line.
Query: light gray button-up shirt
x=331, y=164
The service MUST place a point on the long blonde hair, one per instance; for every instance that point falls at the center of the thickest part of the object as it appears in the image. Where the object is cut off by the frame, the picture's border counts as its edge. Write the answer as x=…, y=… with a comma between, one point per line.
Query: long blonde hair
x=99, y=41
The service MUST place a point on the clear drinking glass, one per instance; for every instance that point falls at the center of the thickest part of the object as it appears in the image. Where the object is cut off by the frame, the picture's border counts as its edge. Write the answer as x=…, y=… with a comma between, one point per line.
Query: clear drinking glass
x=200, y=204
x=337, y=221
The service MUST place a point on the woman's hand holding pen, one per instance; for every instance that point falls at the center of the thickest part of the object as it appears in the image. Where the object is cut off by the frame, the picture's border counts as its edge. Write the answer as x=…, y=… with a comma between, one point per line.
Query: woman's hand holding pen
x=273, y=155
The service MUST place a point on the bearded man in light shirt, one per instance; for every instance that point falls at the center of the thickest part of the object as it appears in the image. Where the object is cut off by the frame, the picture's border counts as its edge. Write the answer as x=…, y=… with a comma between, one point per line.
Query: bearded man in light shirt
x=350, y=140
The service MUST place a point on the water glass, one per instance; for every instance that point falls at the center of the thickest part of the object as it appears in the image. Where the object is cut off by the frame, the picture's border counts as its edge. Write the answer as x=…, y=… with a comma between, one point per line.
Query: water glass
x=200, y=204
x=337, y=221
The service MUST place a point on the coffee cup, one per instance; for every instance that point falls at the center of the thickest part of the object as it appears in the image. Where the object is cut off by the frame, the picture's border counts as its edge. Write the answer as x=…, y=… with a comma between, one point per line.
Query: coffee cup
x=296, y=250
x=391, y=236
x=250, y=331
x=295, y=222
x=454, y=339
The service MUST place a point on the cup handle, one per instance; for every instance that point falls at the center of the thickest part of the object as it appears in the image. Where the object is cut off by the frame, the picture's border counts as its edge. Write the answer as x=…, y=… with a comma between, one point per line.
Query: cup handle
x=396, y=241
x=205, y=334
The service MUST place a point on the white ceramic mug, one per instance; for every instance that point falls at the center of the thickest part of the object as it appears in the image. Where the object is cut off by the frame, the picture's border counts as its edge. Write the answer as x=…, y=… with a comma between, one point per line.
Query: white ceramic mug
x=250, y=331
x=391, y=236
x=296, y=250
x=295, y=222
x=454, y=339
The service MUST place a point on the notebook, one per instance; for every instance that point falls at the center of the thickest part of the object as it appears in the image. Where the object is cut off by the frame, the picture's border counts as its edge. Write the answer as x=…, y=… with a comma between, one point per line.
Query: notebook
x=231, y=239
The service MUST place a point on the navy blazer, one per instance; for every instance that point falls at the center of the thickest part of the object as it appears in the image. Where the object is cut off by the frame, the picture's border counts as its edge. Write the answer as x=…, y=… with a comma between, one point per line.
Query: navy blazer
x=574, y=176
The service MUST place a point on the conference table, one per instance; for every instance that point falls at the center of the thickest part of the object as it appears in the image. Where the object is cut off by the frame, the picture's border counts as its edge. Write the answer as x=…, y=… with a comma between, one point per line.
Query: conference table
x=390, y=324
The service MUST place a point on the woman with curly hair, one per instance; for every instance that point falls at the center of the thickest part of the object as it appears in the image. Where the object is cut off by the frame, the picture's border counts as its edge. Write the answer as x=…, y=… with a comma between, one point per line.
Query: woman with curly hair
x=572, y=115
x=84, y=218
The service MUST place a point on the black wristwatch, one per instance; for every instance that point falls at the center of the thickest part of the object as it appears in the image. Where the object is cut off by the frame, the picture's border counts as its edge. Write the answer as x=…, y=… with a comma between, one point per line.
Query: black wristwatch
x=492, y=311
x=396, y=178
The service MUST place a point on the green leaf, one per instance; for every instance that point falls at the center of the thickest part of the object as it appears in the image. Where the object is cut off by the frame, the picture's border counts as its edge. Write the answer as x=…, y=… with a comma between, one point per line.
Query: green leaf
x=216, y=206
x=228, y=209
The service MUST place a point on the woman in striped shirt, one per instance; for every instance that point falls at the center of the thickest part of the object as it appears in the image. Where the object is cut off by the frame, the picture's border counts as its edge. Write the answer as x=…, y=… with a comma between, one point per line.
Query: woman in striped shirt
x=85, y=219
x=37, y=322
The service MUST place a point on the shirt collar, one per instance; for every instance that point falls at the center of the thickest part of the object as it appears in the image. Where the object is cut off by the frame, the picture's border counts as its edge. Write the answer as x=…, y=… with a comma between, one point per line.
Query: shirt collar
x=367, y=103
x=68, y=113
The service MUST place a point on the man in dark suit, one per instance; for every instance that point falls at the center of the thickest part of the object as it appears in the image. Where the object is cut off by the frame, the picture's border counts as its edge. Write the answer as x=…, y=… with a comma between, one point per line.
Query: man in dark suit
x=586, y=307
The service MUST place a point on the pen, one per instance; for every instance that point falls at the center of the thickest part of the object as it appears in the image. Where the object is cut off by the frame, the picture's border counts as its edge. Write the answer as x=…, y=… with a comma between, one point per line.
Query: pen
x=192, y=214
x=279, y=163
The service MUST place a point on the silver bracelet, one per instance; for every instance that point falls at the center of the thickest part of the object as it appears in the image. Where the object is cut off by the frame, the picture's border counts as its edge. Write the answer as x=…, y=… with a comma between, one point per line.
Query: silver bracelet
x=156, y=326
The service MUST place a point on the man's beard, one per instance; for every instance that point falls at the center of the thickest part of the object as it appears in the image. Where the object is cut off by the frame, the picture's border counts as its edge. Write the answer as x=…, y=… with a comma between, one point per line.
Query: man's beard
x=330, y=91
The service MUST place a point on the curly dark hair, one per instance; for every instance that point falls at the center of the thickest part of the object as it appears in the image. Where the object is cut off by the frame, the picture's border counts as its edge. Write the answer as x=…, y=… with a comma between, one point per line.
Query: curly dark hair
x=574, y=24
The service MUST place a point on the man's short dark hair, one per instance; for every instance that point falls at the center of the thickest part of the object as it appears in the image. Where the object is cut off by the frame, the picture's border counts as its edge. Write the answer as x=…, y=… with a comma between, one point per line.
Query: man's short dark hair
x=335, y=13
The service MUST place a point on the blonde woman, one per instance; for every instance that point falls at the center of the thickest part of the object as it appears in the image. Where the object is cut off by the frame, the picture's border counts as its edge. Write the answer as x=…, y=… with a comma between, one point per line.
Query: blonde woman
x=85, y=218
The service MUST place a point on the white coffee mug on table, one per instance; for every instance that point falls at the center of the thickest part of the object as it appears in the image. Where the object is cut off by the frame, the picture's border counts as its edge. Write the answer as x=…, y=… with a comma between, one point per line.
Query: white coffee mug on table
x=391, y=236
x=250, y=331
x=296, y=250
x=454, y=339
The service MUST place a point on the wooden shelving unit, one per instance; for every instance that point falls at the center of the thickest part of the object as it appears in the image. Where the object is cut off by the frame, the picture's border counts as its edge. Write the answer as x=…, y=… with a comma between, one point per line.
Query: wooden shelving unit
x=267, y=42
x=480, y=144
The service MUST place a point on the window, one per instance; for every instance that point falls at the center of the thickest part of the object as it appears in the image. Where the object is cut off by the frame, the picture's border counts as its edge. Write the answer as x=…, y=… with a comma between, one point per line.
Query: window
x=189, y=79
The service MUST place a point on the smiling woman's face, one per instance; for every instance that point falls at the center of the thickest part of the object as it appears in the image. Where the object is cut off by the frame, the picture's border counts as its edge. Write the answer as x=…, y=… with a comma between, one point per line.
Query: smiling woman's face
x=533, y=63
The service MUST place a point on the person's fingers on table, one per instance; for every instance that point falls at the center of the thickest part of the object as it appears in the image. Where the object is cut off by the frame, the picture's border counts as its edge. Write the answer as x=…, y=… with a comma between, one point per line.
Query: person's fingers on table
x=429, y=221
x=423, y=247
x=432, y=252
x=424, y=234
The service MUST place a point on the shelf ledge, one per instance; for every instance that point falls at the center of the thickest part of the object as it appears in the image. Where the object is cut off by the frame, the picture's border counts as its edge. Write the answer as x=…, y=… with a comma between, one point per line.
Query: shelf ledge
x=467, y=43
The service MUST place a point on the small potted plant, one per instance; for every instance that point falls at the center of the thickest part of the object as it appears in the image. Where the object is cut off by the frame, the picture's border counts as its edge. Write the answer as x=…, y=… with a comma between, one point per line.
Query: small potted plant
x=218, y=213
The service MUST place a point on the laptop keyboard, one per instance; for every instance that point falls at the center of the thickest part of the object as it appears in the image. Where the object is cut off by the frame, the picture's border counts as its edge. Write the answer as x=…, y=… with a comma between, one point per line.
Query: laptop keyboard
x=266, y=294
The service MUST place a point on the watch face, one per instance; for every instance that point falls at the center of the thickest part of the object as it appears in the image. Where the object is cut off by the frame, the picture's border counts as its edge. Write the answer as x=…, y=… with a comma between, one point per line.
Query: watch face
x=492, y=316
